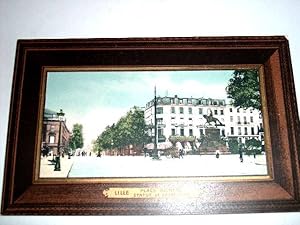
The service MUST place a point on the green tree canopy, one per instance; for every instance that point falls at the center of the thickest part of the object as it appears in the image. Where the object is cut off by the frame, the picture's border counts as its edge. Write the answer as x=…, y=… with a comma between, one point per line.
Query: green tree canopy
x=243, y=89
x=233, y=145
x=76, y=140
x=253, y=146
x=131, y=129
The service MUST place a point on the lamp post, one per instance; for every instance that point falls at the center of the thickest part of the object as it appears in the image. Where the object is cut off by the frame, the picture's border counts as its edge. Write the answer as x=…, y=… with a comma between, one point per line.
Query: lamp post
x=155, y=151
x=60, y=115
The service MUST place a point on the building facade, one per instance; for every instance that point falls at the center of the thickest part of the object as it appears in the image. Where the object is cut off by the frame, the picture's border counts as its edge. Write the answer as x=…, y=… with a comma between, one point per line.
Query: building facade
x=52, y=123
x=178, y=116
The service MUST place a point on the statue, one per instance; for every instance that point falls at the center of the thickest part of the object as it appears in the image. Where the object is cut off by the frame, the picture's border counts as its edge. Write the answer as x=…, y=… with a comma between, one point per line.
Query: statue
x=209, y=119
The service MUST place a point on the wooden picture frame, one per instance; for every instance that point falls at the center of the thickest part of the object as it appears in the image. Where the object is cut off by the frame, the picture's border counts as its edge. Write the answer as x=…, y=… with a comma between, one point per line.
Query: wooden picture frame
x=24, y=193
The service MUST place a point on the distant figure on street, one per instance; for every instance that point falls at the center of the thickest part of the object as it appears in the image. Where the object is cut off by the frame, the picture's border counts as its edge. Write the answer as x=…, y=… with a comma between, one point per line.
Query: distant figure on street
x=241, y=153
x=217, y=154
x=181, y=153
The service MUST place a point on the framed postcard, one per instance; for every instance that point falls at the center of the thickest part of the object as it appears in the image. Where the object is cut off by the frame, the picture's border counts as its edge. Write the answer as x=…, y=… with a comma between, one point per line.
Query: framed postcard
x=151, y=126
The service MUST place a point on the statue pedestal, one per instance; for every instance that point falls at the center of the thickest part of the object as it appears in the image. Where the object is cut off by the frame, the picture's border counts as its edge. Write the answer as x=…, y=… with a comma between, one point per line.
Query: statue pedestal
x=212, y=142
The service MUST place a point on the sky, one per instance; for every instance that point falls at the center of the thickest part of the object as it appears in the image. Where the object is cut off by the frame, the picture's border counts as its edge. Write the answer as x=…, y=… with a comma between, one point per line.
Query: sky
x=98, y=99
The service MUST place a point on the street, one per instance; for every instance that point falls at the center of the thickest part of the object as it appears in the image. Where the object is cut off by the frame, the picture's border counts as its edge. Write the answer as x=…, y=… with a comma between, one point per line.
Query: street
x=190, y=165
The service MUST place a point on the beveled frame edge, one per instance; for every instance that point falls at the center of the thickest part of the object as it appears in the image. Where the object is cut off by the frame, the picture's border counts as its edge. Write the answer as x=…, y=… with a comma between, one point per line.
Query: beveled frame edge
x=45, y=70
x=12, y=204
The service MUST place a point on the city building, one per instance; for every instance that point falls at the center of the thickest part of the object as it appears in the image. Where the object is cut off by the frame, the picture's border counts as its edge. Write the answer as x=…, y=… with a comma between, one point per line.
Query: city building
x=177, y=116
x=52, y=123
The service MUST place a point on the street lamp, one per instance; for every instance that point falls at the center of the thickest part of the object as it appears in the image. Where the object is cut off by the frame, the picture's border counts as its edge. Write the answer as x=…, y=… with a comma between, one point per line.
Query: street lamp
x=60, y=115
x=155, y=151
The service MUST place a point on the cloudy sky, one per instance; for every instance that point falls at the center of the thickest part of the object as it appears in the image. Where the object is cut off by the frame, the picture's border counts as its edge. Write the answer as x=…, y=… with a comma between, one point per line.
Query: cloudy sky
x=98, y=99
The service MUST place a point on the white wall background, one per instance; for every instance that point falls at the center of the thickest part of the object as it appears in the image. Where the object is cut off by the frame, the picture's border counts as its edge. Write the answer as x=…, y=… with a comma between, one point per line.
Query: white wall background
x=117, y=18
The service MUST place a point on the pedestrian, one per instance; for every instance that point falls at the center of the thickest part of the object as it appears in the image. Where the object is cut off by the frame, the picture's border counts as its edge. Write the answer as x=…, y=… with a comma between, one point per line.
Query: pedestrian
x=217, y=154
x=181, y=153
x=241, y=153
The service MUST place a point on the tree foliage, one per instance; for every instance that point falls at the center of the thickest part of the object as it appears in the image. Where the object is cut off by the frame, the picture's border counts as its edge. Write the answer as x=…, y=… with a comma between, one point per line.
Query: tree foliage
x=233, y=145
x=243, y=89
x=253, y=146
x=131, y=129
x=76, y=140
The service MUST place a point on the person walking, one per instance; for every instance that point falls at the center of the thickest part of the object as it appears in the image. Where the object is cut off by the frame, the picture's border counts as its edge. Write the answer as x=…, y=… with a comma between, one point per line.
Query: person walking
x=241, y=153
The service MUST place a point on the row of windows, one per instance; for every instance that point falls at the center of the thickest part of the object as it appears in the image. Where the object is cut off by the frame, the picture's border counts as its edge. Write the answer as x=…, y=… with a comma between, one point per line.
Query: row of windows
x=239, y=110
x=187, y=101
x=245, y=121
x=190, y=133
x=160, y=110
x=182, y=133
x=239, y=131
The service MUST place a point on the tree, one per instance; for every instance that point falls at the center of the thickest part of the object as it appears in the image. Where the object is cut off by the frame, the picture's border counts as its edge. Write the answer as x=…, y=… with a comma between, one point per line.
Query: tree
x=243, y=89
x=233, y=145
x=76, y=140
x=253, y=146
x=131, y=129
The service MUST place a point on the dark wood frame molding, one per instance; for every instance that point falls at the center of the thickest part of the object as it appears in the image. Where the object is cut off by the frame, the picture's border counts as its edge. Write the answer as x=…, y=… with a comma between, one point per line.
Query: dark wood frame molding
x=23, y=194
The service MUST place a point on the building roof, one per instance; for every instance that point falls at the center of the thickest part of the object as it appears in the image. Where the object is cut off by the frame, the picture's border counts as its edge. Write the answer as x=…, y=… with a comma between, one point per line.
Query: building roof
x=50, y=114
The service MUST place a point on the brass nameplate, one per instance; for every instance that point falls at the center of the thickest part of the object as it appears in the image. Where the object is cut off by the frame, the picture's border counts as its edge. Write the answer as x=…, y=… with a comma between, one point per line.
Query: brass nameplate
x=149, y=193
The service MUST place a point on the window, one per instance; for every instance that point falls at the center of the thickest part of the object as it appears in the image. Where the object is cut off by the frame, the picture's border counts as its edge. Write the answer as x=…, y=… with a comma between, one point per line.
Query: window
x=252, y=130
x=160, y=121
x=222, y=112
x=238, y=110
x=172, y=119
x=239, y=119
x=51, y=139
x=181, y=110
x=239, y=131
x=172, y=109
x=190, y=122
x=232, y=130
x=244, y=111
x=251, y=119
x=246, y=130
x=52, y=128
x=190, y=110
x=223, y=133
x=231, y=118
x=201, y=132
x=191, y=132
x=181, y=132
x=200, y=111
x=160, y=132
x=159, y=110
x=251, y=110
x=173, y=131
x=215, y=112
x=245, y=120
x=230, y=109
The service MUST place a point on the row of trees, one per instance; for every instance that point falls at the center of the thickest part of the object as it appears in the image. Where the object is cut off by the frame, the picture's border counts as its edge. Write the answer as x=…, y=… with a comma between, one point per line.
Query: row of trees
x=250, y=147
x=130, y=130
